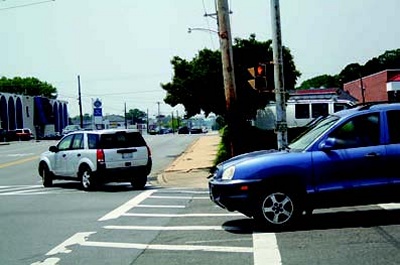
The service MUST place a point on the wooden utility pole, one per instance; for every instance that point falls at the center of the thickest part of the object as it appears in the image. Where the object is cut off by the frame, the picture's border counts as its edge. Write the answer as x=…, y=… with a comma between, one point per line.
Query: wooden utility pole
x=226, y=52
x=281, y=124
x=125, y=118
x=224, y=31
x=80, y=102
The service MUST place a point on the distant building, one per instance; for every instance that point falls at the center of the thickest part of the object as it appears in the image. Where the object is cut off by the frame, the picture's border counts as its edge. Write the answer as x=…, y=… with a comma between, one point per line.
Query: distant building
x=381, y=86
x=41, y=115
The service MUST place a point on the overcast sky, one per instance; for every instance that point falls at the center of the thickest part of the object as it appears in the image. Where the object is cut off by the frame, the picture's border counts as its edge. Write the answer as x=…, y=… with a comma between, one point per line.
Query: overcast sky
x=122, y=49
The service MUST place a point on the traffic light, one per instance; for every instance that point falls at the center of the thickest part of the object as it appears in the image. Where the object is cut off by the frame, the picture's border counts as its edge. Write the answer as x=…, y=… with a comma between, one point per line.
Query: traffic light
x=260, y=70
x=259, y=80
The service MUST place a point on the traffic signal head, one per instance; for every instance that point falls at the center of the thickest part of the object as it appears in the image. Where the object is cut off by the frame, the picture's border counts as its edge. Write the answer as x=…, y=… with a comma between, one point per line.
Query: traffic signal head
x=260, y=70
x=259, y=77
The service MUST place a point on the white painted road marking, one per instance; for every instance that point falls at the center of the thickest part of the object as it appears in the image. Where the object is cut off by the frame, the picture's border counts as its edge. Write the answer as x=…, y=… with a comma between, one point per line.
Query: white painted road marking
x=180, y=197
x=390, y=206
x=181, y=215
x=266, y=249
x=169, y=247
x=24, y=190
x=78, y=238
x=160, y=206
x=127, y=206
x=172, y=228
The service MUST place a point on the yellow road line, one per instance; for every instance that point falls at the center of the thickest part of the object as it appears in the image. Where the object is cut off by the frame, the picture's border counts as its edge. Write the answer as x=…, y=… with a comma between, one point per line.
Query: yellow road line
x=18, y=162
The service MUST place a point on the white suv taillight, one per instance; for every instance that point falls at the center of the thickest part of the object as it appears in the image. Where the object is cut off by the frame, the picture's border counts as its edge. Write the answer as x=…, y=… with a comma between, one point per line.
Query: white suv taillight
x=100, y=155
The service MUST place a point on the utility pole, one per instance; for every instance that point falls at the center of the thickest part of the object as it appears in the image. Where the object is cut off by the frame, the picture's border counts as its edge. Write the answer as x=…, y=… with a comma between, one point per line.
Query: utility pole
x=224, y=29
x=362, y=89
x=80, y=101
x=158, y=117
x=172, y=122
x=177, y=121
x=126, y=123
x=147, y=122
x=281, y=124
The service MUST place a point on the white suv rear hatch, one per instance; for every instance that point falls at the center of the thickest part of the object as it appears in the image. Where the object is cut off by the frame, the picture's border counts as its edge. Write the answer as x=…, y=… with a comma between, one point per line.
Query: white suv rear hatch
x=123, y=149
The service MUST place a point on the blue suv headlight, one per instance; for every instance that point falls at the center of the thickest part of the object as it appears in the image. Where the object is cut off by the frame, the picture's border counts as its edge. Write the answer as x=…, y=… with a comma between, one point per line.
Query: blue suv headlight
x=228, y=173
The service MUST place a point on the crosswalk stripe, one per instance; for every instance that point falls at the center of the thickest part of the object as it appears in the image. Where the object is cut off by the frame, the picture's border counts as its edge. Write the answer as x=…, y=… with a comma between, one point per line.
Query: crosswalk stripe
x=26, y=190
x=173, y=228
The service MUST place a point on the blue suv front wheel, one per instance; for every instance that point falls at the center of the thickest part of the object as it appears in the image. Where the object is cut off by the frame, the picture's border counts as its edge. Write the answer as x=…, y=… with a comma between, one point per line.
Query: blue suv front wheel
x=277, y=209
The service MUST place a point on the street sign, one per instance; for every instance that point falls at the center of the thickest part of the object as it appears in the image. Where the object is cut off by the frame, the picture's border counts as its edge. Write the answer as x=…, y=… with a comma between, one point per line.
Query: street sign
x=97, y=112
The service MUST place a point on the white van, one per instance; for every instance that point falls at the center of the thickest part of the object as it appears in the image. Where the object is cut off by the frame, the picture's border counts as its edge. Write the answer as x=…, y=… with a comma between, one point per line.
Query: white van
x=299, y=112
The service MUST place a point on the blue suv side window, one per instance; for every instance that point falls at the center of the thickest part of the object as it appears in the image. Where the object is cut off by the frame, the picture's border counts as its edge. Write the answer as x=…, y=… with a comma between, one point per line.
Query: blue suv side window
x=394, y=126
x=363, y=130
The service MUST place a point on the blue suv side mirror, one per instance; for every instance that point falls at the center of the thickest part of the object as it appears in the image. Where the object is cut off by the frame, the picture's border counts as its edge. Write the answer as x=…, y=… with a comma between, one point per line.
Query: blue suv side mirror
x=328, y=144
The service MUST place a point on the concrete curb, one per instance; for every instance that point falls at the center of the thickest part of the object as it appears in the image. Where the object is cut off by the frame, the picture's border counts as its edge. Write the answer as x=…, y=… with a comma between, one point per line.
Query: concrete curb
x=192, y=167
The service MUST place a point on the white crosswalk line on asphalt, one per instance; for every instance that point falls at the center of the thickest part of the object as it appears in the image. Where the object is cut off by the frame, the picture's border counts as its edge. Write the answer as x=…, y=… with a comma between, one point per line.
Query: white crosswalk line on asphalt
x=173, y=228
x=182, y=215
x=20, y=187
x=179, y=197
x=26, y=190
x=390, y=206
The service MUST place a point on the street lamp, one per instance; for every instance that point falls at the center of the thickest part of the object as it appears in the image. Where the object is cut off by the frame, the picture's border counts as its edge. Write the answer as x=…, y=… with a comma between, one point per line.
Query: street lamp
x=202, y=29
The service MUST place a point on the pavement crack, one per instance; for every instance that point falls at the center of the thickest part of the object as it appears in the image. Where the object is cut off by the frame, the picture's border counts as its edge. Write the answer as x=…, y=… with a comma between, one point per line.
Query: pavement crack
x=389, y=238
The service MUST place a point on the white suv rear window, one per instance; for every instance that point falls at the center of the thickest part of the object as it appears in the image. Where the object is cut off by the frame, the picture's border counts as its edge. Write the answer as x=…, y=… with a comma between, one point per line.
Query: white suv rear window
x=115, y=140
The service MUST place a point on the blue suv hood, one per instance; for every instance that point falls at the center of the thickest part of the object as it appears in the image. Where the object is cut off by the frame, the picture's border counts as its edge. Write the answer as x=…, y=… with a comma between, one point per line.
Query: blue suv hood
x=247, y=156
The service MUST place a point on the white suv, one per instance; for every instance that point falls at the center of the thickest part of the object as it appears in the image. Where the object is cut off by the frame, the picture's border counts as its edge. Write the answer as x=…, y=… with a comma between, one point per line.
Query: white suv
x=94, y=157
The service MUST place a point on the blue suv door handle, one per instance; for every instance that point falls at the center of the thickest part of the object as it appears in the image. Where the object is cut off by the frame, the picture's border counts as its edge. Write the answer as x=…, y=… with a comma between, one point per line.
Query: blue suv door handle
x=373, y=154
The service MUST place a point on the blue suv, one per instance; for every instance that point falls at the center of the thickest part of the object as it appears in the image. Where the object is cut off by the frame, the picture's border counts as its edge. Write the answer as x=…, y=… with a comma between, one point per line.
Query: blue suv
x=344, y=159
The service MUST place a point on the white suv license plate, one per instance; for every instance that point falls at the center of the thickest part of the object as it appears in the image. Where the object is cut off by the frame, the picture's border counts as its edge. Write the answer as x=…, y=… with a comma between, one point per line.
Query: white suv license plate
x=127, y=155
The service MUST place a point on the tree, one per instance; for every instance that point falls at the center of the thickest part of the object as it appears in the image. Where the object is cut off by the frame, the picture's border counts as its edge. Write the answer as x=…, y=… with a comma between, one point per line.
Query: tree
x=321, y=81
x=388, y=60
x=136, y=116
x=30, y=86
x=350, y=72
x=198, y=84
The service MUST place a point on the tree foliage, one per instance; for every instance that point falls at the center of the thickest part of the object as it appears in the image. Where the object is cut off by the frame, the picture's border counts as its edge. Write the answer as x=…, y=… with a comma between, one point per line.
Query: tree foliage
x=136, y=116
x=388, y=60
x=30, y=86
x=198, y=84
x=321, y=81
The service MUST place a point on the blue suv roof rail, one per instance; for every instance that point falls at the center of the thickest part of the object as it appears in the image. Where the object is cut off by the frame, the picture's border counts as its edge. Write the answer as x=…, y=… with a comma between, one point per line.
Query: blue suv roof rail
x=368, y=105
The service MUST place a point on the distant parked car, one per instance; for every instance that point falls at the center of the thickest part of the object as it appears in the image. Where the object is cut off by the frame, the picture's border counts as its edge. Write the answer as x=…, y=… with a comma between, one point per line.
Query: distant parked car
x=196, y=130
x=95, y=157
x=344, y=159
x=183, y=130
x=24, y=134
x=51, y=136
x=3, y=135
x=70, y=128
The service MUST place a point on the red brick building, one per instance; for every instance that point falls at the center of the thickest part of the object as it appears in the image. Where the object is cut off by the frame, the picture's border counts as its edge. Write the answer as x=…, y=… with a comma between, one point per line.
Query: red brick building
x=381, y=86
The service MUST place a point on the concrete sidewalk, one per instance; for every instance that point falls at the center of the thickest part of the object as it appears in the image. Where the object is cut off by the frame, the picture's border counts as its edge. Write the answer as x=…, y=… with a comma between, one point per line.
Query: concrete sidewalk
x=192, y=168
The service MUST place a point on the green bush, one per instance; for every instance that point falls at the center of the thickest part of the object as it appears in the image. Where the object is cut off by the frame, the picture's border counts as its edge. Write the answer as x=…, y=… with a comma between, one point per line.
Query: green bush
x=247, y=139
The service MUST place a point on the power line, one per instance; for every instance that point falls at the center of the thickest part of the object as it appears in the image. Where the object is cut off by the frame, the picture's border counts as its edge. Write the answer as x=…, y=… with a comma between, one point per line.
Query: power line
x=25, y=5
x=123, y=93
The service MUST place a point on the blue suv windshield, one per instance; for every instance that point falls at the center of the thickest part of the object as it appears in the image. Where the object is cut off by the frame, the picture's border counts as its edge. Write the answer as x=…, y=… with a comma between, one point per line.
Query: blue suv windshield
x=313, y=132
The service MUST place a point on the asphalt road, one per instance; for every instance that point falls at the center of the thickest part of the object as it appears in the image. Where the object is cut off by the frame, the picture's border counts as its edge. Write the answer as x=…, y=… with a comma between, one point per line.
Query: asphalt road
x=159, y=225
